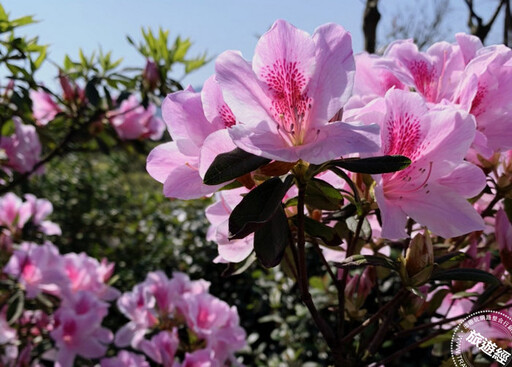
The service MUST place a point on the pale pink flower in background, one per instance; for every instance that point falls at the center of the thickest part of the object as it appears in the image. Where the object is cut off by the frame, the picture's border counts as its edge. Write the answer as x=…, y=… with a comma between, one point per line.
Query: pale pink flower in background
x=200, y=358
x=44, y=108
x=38, y=269
x=285, y=99
x=371, y=79
x=15, y=214
x=139, y=307
x=125, y=359
x=162, y=347
x=23, y=148
x=434, y=74
x=88, y=274
x=212, y=319
x=218, y=215
x=434, y=188
x=40, y=209
x=197, y=123
x=484, y=91
x=132, y=121
x=182, y=284
x=78, y=329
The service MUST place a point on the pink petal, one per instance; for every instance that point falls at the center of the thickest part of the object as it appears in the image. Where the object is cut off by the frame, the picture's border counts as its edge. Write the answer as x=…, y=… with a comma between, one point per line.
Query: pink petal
x=281, y=46
x=242, y=91
x=215, y=144
x=331, y=83
x=185, y=183
x=466, y=179
x=215, y=109
x=183, y=113
x=443, y=211
x=393, y=217
x=163, y=159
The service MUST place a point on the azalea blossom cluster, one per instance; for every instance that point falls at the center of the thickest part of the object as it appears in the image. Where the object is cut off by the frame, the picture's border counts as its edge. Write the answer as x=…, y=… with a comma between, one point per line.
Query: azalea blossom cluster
x=301, y=127
x=161, y=309
x=130, y=120
x=16, y=215
x=65, y=298
x=79, y=282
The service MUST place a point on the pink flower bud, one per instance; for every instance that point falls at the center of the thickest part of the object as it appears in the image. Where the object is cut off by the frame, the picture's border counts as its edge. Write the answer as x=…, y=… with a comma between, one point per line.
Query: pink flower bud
x=151, y=75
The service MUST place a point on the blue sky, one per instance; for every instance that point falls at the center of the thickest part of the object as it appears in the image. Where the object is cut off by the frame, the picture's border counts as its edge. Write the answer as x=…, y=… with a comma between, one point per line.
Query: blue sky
x=213, y=26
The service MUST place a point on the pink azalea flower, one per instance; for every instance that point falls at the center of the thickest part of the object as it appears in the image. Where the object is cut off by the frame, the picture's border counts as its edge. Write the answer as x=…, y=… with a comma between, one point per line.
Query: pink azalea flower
x=139, y=307
x=285, y=99
x=40, y=209
x=14, y=214
x=434, y=73
x=372, y=79
x=44, y=108
x=483, y=91
x=434, y=188
x=38, y=268
x=132, y=121
x=23, y=149
x=125, y=359
x=78, y=329
x=162, y=347
x=87, y=274
x=197, y=123
x=212, y=319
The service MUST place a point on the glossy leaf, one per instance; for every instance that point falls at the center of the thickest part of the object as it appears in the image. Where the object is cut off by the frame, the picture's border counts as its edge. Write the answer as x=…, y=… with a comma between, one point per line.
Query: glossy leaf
x=231, y=165
x=327, y=234
x=271, y=239
x=322, y=195
x=466, y=274
x=374, y=165
x=258, y=207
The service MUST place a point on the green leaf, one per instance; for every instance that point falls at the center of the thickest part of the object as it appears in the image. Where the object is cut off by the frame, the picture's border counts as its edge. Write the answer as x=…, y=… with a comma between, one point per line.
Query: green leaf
x=191, y=65
x=181, y=49
x=355, y=261
x=465, y=274
x=271, y=239
x=258, y=207
x=366, y=229
x=316, y=229
x=15, y=307
x=322, y=195
x=374, y=165
x=22, y=21
x=231, y=165
x=92, y=93
x=40, y=58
